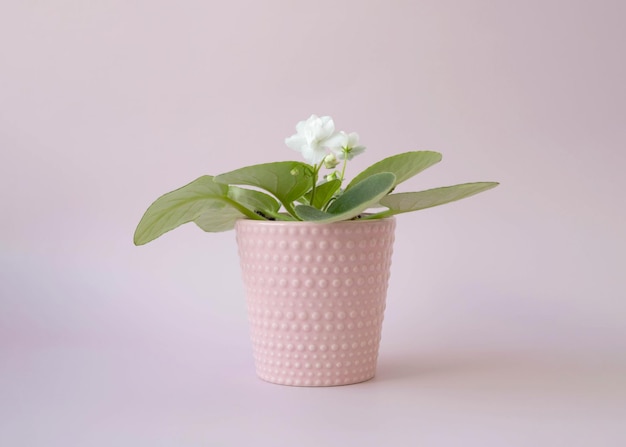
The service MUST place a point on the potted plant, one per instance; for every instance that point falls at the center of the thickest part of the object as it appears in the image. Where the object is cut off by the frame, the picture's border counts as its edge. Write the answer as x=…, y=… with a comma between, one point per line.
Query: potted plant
x=315, y=250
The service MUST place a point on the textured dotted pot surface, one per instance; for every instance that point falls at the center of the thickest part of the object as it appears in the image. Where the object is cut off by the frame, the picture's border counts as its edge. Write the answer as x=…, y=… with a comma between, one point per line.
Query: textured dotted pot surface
x=315, y=295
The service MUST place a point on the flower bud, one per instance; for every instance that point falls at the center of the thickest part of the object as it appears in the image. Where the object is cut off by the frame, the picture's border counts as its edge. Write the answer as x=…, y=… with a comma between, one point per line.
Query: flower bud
x=330, y=161
x=332, y=176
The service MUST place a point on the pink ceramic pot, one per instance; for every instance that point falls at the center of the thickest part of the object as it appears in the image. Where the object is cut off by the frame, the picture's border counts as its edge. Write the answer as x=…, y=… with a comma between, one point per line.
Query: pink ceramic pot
x=316, y=296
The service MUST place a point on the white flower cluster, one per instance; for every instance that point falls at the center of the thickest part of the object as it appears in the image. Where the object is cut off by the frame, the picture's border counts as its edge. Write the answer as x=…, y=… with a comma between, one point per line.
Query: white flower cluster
x=317, y=140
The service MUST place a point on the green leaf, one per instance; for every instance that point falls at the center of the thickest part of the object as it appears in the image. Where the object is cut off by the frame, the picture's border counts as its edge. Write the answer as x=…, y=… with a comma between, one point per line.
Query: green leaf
x=223, y=219
x=180, y=206
x=353, y=202
x=253, y=200
x=403, y=166
x=217, y=220
x=413, y=201
x=309, y=213
x=324, y=192
x=286, y=180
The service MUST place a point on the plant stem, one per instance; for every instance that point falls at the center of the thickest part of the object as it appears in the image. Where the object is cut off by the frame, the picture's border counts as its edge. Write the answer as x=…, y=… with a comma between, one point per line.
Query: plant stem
x=316, y=170
x=343, y=169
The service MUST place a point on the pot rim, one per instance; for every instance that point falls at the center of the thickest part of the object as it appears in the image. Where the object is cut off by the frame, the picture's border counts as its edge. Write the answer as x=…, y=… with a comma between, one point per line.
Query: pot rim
x=312, y=223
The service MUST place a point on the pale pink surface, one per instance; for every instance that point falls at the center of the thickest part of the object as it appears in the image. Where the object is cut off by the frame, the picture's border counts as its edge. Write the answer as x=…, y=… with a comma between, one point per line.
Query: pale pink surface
x=506, y=314
x=316, y=298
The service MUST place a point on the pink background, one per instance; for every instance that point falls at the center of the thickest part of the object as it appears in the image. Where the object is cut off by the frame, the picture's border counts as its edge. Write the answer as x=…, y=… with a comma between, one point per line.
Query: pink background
x=505, y=323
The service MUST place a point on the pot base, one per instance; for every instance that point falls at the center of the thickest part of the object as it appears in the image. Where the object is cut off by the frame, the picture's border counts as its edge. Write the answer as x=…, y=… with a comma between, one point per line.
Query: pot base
x=299, y=382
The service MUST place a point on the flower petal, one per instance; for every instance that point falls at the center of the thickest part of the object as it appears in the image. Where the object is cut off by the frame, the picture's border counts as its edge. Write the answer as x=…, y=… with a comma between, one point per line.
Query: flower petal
x=303, y=124
x=353, y=152
x=313, y=155
x=353, y=139
x=327, y=127
x=336, y=142
x=295, y=142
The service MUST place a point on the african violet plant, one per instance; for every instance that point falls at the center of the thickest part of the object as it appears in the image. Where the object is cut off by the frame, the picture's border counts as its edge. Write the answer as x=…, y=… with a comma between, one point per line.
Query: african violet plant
x=296, y=191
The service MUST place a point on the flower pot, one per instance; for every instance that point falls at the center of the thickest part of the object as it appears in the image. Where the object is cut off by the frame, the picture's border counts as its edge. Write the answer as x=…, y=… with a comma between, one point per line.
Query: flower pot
x=315, y=296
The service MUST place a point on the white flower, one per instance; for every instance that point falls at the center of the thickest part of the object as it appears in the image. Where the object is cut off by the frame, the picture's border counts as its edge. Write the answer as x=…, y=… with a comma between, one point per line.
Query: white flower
x=345, y=145
x=311, y=138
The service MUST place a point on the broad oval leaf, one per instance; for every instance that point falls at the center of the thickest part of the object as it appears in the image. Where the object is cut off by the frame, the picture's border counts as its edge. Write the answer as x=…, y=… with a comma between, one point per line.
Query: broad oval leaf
x=412, y=201
x=179, y=207
x=309, y=213
x=223, y=219
x=286, y=180
x=217, y=220
x=403, y=166
x=253, y=200
x=353, y=202
x=324, y=192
